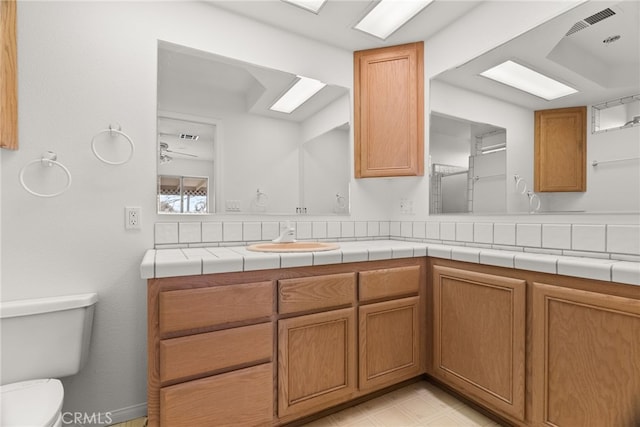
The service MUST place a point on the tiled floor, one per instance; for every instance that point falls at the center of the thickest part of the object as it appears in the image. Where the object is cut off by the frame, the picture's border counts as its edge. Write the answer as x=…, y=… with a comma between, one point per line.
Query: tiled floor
x=418, y=405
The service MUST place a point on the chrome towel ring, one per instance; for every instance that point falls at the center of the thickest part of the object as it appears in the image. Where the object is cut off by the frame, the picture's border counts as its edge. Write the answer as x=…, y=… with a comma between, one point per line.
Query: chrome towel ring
x=117, y=132
x=48, y=159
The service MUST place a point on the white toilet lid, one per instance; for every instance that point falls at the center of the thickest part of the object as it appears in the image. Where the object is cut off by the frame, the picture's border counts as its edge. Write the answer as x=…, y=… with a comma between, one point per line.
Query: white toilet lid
x=31, y=403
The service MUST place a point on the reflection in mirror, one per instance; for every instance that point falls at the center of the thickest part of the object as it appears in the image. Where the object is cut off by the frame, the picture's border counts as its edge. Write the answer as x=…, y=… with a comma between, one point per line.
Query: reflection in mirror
x=257, y=158
x=616, y=114
x=325, y=172
x=185, y=165
x=468, y=166
x=594, y=48
x=182, y=194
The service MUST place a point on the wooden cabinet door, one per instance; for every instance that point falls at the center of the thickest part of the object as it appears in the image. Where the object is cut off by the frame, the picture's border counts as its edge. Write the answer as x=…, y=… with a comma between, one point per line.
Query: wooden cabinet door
x=389, y=111
x=479, y=336
x=560, y=144
x=389, y=342
x=316, y=362
x=586, y=358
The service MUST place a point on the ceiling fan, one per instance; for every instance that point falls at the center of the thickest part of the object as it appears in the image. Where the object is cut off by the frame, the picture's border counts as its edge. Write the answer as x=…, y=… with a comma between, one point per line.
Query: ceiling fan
x=166, y=158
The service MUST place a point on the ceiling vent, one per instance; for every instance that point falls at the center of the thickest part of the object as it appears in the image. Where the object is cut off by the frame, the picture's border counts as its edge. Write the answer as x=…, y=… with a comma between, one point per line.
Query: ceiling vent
x=591, y=20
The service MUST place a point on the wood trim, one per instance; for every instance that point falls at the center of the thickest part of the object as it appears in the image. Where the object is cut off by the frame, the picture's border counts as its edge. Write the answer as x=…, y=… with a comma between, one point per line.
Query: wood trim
x=316, y=292
x=8, y=75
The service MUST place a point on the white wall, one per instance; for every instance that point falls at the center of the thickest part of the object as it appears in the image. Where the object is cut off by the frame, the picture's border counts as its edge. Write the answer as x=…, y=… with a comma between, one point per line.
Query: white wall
x=83, y=65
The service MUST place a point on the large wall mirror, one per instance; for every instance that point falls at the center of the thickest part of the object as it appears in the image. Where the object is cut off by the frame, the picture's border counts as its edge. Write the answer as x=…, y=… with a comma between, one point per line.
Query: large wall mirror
x=221, y=149
x=593, y=48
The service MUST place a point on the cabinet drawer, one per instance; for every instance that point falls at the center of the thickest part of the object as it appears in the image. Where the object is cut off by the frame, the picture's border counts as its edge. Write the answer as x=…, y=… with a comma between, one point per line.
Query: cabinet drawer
x=310, y=293
x=238, y=398
x=204, y=307
x=389, y=282
x=185, y=357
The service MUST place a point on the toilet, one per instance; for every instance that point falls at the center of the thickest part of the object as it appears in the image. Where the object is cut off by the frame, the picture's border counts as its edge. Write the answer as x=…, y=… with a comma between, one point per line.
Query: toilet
x=42, y=339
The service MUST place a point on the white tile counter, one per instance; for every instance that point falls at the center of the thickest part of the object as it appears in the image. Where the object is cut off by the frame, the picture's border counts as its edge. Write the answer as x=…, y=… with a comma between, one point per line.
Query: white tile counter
x=159, y=263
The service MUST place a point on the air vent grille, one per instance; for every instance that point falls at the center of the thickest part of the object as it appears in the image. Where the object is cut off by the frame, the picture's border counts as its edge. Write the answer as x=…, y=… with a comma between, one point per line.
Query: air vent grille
x=593, y=19
x=597, y=17
x=580, y=25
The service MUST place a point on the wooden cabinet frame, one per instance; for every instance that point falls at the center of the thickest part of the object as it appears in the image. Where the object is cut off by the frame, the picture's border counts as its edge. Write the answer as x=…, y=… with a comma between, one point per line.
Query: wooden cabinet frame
x=8, y=75
x=302, y=299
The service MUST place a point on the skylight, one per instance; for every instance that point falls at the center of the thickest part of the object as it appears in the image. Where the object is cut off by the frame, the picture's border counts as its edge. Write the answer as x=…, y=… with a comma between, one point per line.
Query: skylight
x=389, y=15
x=528, y=80
x=301, y=91
x=310, y=5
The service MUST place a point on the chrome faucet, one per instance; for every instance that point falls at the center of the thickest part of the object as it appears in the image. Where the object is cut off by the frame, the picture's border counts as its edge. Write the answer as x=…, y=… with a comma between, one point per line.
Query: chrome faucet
x=288, y=234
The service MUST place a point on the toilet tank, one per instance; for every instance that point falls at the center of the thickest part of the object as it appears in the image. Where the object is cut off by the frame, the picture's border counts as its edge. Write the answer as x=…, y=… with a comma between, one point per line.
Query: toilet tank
x=45, y=337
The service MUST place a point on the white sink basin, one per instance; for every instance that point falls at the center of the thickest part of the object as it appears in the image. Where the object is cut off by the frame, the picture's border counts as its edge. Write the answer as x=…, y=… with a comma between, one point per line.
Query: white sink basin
x=293, y=247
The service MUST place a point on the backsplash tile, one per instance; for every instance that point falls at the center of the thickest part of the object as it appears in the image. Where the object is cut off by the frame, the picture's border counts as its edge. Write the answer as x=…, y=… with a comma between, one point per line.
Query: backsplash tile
x=360, y=229
x=189, y=232
x=384, y=228
x=556, y=236
x=373, y=229
x=419, y=230
x=232, y=232
x=504, y=234
x=433, y=230
x=608, y=243
x=333, y=229
x=588, y=237
x=211, y=232
x=270, y=230
x=483, y=232
x=623, y=239
x=166, y=232
x=448, y=231
x=529, y=235
x=303, y=230
x=319, y=230
x=348, y=229
x=464, y=232
x=251, y=231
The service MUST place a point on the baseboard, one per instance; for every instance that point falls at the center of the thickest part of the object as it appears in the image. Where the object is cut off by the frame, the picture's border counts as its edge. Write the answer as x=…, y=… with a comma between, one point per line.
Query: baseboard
x=126, y=414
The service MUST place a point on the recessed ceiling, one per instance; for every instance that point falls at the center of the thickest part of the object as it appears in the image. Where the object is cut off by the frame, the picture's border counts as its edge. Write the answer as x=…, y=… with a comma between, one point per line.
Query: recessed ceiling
x=333, y=25
x=581, y=59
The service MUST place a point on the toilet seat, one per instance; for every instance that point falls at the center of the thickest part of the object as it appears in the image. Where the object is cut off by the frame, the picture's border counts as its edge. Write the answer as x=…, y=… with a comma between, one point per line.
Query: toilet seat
x=32, y=403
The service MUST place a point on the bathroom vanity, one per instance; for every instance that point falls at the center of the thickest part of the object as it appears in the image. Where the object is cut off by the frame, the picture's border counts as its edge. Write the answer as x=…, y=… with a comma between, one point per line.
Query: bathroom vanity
x=271, y=345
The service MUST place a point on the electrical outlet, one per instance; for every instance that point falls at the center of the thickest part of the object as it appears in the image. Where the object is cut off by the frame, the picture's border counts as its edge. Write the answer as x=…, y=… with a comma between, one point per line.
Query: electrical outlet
x=406, y=206
x=132, y=218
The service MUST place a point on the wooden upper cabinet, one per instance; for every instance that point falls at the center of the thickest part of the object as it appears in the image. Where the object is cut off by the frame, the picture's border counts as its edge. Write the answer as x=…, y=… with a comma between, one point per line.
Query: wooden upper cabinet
x=8, y=76
x=389, y=111
x=560, y=150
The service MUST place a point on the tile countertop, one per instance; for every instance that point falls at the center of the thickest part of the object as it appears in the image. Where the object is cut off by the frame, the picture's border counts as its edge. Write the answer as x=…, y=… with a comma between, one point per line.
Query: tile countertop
x=159, y=263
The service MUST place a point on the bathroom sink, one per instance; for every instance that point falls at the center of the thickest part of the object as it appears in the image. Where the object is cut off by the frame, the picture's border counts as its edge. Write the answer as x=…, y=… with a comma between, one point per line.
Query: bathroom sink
x=293, y=247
